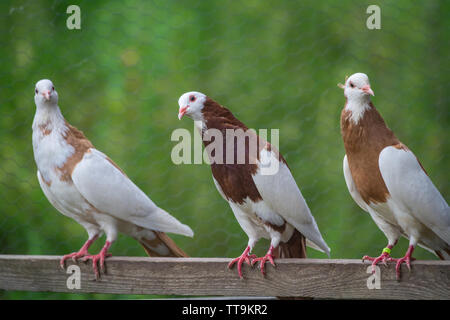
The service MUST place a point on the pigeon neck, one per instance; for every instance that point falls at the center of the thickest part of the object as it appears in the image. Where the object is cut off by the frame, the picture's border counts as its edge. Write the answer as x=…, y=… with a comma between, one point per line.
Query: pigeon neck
x=198, y=118
x=48, y=116
x=217, y=117
x=357, y=107
x=368, y=134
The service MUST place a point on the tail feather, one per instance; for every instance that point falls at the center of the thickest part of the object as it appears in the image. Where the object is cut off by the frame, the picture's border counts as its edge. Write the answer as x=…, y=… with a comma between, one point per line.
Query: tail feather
x=295, y=247
x=161, y=246
x=316, y=247
x=163, y=221
x=443, y=254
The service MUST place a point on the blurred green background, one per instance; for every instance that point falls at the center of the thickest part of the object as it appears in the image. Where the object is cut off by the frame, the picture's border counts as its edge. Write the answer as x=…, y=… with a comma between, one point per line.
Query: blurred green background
x=275, y=64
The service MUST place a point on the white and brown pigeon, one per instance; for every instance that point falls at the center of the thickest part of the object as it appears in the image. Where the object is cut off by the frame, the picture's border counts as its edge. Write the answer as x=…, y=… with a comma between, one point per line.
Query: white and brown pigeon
x=266, y=204
x=387, y=180
x=87, y=186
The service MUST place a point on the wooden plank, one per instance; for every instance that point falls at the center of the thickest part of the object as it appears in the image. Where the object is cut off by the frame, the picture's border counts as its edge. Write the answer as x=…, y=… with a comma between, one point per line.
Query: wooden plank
x=317, y=278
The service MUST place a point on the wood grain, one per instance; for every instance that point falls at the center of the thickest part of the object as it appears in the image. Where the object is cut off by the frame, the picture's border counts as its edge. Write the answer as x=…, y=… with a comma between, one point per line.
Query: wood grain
x=316, y=278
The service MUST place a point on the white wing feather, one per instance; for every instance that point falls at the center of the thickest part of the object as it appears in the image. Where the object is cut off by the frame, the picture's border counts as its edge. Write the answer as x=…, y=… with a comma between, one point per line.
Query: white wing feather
x=111, y=192
x=410, y=185
x=281, y=193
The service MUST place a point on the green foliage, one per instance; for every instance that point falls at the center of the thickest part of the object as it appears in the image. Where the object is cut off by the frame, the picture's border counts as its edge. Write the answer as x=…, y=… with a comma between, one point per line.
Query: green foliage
x=275, y=64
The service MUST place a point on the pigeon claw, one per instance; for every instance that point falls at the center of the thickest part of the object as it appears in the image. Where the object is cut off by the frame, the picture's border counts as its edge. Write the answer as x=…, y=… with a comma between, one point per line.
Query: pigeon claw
x=383, y=258
x=100, y=257
x=244, y=257
x=96, y=258
x=263, y=260
x=74, y=256
x=407, y=260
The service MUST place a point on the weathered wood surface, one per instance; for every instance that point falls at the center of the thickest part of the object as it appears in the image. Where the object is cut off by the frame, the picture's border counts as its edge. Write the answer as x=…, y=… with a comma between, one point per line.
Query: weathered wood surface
x=317, y=278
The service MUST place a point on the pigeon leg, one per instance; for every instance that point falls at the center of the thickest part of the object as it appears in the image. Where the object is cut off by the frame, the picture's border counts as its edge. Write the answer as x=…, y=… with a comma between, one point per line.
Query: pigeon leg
x=245, y=257
x=101, y=256
x=407, y=259
x=267, y=257
x=383, y=258
x=81, y=253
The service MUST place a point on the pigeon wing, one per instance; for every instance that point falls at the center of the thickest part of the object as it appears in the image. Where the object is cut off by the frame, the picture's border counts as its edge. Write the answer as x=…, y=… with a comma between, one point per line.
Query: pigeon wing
x=280, y=192
x=409, y=185
x=110, y=191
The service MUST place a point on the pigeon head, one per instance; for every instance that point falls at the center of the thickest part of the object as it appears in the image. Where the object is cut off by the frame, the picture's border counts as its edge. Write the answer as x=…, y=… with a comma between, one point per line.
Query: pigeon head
x=45, y=93
x=191, y=105
x=357, y=87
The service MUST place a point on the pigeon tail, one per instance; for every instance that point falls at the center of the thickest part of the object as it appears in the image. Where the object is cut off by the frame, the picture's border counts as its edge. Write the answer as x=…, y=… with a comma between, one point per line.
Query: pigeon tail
x=161, y=246
x=443, y=254
x=295, y=247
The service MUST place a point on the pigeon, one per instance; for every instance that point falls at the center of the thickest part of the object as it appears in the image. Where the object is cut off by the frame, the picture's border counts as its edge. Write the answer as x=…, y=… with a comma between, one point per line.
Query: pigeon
x=386, y=179
x=86, y=185
x=267, y=204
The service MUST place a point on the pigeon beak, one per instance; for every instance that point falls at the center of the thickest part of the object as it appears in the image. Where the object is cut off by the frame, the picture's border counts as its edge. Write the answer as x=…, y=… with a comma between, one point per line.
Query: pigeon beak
x=46, y=95
x=182, y=111
x=366, y=89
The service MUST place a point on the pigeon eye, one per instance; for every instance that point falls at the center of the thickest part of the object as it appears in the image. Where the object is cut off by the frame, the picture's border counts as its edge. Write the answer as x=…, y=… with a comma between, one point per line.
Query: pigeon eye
x=192, y=98
x=53, y=88
x=36, y=91
x=352, y=85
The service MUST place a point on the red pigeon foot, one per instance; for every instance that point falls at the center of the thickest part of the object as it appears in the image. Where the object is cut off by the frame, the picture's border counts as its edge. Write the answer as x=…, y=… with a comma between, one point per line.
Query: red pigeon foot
x=76, y=255
x=383, y=258
x=101, y=256
x=407, y=259
x=267, y=257
x=245, y=257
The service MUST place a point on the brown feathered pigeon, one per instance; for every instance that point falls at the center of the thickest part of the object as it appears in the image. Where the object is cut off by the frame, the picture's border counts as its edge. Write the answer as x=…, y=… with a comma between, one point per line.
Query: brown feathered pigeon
x=386, y=179
x=267, y=203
